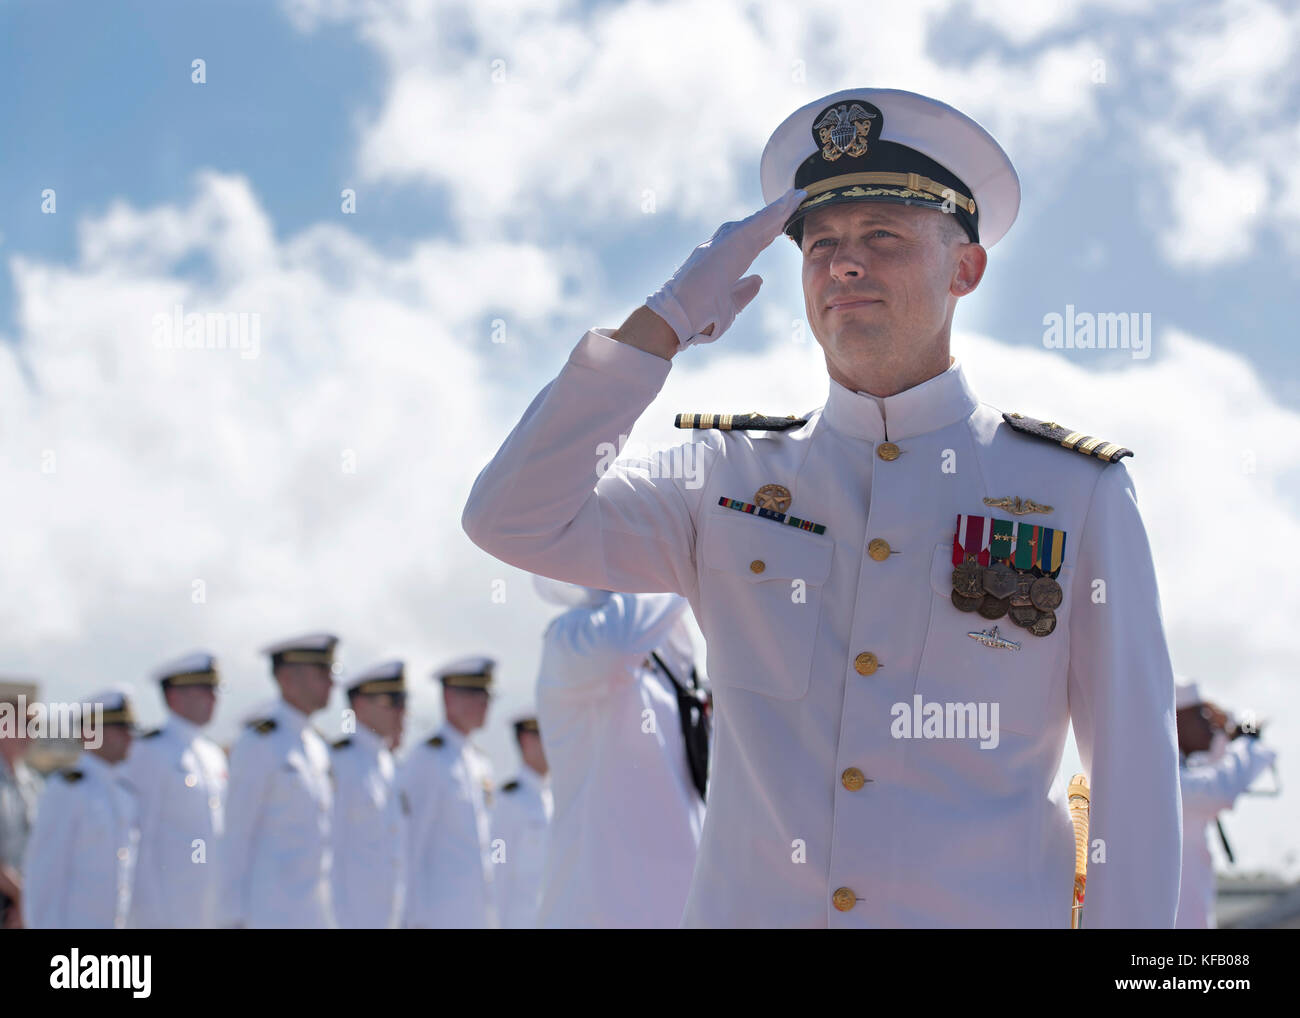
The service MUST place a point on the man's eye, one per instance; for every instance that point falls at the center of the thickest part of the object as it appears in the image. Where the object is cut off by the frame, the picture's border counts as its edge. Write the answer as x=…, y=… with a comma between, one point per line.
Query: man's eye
x=824, y=240
x=882, y=233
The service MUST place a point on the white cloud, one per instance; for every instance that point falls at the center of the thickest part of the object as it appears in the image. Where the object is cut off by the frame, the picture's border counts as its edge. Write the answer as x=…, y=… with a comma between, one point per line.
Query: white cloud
x=175, y=465
x=1211, y=211
x=550, y=111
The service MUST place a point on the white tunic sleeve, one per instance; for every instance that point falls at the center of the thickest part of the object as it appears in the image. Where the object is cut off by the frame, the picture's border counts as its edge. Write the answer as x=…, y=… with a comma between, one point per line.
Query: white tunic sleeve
x=540, y=504
x=1121, y=691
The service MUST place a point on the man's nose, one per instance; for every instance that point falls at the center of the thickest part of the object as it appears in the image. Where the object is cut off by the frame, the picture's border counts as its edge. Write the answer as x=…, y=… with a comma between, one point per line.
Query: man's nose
x=849, y=261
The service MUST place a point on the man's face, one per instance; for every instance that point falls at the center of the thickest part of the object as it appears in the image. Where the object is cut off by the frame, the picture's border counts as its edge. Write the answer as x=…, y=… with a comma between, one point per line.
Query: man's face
x=115, y=743
x=530, y=748
x=1196, y=726
x=384, y=714
x=902, y=264
x=306, y=686
x=466, y=708
x=195, y=704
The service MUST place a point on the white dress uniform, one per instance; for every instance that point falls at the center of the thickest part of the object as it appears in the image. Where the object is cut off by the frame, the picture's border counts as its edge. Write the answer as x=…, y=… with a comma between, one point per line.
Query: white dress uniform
x=628, y=820
x=81, y=855
x=179, y=778
x=521, y=819
x=370, y=834
x=276, y=854
x=940, y=832
x=448, y=781
x=1209, y=787
x=818, y=557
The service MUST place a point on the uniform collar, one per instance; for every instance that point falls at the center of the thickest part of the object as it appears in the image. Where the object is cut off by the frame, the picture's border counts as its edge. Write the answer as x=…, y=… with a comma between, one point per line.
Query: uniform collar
x=187, y=730
x=533, y=780
x=95, y=765
x=451, y=736
x=369, y=740
x=933, y=404
x=290, y=715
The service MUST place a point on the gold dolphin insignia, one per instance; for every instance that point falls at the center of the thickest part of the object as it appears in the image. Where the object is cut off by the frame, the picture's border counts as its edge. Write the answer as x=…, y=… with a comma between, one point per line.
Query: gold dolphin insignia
x=1017, y=506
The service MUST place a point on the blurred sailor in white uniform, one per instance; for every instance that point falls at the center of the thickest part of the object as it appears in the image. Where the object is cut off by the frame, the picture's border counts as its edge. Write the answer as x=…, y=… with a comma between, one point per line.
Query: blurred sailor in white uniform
x=81, y=855
x=275, y=857
x=521, y=819
x=179, y=778
x=370, y=809
x=1220, y=760
x=449, y=783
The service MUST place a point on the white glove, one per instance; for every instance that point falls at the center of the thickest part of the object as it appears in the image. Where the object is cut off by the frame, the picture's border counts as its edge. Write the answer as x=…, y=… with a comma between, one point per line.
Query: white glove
x=707, y=289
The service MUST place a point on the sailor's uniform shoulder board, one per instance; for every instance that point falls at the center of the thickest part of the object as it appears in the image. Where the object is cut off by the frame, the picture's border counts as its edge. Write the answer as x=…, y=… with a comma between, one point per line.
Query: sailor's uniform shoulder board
x=263, y=726
x=739, y=422
x=510, y=786
x=1108, y=452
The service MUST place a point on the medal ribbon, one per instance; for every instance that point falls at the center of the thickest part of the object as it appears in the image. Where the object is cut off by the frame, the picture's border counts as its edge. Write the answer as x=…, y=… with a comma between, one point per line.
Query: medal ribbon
x=972, y=538
x=1003, y=536
x=1051, y=551
x=1025, y=554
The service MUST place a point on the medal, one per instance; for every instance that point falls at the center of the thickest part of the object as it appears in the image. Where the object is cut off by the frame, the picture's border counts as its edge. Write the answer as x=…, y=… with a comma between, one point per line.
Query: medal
x=999, y=580
x=773, y=496
x=1008, y=568
x=1023, y=615
x=994, y=607
x=1045, y=593
x=1044, y=624
x=1020, y=596
x=970, y=554
x=967, y=580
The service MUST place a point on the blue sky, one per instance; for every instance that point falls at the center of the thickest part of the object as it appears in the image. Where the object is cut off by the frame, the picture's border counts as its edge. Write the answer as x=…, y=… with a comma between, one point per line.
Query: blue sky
x=502, y=154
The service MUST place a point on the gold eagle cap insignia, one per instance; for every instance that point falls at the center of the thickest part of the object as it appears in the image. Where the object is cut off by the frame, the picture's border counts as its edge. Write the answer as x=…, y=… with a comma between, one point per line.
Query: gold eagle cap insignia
x=843, y=130
x=1017, y=506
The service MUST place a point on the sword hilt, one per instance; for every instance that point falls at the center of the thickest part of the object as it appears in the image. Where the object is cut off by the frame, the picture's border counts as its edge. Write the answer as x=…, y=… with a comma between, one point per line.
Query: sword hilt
x=1080, y=804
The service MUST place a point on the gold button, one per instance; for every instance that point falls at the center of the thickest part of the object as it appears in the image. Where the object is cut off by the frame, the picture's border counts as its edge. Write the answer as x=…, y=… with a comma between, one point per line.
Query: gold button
x=844, y=899
x=853, y=779
x=887, y=451
x=757, y=566
x=191, y=780
x=866, y=663
x=878, y=549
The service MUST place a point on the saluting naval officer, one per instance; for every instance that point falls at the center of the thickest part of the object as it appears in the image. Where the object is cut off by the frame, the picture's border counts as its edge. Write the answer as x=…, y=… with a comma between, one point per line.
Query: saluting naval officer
x=81, y=855
x=179, y=778
x=275, y=857
x=370, y=809
x=449, y=784
x=521, y=818
x=874, y=574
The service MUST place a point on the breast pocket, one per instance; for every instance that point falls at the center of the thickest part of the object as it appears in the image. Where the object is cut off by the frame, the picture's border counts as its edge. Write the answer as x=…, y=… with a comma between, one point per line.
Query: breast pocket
x=761, y=590
x=1028, y=684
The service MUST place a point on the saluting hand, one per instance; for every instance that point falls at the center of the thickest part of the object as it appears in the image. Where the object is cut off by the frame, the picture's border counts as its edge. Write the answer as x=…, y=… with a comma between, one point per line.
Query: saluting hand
x=704, y=296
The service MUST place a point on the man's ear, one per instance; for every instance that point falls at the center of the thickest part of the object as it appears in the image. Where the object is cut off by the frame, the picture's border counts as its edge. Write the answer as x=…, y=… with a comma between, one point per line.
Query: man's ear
x=969, y=270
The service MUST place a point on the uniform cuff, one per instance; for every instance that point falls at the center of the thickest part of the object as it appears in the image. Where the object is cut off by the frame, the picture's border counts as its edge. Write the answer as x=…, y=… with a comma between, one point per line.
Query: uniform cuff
x=597, y=351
